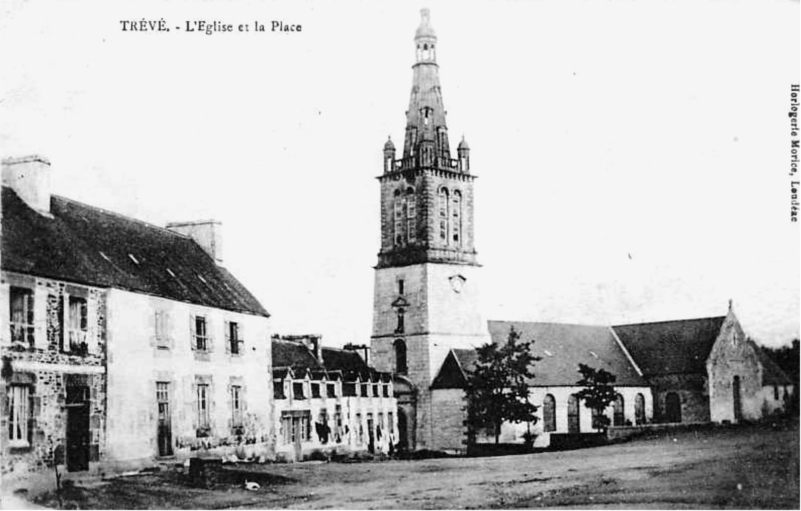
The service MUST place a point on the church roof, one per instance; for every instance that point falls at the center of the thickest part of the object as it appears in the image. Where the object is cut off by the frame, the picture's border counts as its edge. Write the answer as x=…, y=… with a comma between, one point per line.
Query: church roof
x=671, y=347
x=772, y=374
x=88, y=245
x=562, y=347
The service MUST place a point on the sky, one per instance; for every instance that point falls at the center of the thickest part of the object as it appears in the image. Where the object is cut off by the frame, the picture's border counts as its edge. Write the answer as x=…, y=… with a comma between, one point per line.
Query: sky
x=632, y=157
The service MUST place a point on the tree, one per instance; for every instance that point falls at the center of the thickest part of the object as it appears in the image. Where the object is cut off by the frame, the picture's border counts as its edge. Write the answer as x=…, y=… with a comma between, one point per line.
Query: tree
x=598, y=393
x=497, y=389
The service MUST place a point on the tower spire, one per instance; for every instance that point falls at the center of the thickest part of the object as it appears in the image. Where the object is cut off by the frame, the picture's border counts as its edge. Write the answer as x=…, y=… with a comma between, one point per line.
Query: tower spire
x=426, y=130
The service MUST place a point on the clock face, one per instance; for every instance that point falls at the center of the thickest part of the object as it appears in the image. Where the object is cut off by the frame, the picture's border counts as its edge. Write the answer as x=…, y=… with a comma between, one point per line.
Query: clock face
x=457, y=283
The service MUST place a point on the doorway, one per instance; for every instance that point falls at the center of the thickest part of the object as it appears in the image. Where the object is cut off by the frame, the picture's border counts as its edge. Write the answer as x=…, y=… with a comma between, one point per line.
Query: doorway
x=164, y=433
x=672, y=407
x=738, y=404
x=78, y=434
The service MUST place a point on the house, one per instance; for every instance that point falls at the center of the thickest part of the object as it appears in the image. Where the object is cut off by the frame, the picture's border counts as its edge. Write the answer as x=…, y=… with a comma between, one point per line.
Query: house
x=778, y=389
x=329, y=401
x=124, y=343
x=561, y=348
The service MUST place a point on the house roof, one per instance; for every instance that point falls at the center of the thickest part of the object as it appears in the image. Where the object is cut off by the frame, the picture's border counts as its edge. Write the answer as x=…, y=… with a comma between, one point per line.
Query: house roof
x=88, y=245
x=562, y=347
x=671, y=347
x=772, y=374
x=347, y=361
x=294, y=355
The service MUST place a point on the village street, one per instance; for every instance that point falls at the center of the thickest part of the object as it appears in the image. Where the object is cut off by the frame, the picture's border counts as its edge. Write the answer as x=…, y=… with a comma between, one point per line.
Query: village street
x=743, y=467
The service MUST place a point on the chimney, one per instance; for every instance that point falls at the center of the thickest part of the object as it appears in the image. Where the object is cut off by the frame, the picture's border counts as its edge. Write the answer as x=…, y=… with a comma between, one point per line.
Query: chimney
x=206, y=233
x=29, y=177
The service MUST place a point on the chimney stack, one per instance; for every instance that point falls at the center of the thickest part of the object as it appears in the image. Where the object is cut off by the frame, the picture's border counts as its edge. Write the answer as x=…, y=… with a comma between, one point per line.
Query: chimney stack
x=29, y=177
x=206, y=233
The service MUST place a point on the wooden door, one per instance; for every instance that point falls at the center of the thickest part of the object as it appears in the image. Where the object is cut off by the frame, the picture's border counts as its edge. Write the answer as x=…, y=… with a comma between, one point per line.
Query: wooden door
x=164, y=433
x=78, y=434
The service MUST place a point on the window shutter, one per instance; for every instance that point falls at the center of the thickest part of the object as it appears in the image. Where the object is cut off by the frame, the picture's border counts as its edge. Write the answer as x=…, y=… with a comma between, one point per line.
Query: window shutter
x=209, y=334
x=240, y=330
x=190, y=399
x=192, y=333
x=227, y=331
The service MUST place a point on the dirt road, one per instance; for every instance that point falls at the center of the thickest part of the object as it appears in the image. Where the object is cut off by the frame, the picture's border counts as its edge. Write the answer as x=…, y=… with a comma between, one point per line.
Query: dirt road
x=751, y=467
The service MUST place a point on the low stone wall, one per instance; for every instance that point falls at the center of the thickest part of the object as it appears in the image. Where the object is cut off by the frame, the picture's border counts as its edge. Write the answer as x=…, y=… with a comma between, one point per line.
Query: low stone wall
x=622, y=432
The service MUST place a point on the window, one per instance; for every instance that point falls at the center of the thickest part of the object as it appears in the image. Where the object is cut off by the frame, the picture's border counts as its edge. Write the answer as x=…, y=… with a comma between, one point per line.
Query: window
x=18, y=415
x=297, y=390
x=278, y=389
x=201, y=339
x=443, y=215
x=400, y=357
x=398, y=219
x=401, y=322
x=234, y=342
x=386, y=390
x=162, y=329
x=549, y=413
x=776, y=392
x=365, y=389
x=456, y=217
x=375, y=389
x=236, y=405
x=618, y=415
x=21, y=303
x=338, y=422
x=296, y=426
x=411, y=215
x=331, y=390
x=391, y=423
x=639, y=409
x=400, y=286
x=203, y=412
x=77, y=324
x=315, y=390
x=359, y=429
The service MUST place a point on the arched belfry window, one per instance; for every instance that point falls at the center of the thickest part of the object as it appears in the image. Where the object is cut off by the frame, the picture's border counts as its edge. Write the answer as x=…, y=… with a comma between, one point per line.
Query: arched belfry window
x=398, y=217
x=411, y=215
x=456, y=218
x=443, y=215
x=400, y=357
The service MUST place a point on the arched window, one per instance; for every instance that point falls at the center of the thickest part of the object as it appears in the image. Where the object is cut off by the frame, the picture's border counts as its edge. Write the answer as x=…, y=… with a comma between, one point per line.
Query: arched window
x=398, y=217
x=573, y=417
x=618, y=415
x=400, y=357
x=549, y=413
x=411, y=215
x=456, y=217
x=639, y=409
x=443, y=215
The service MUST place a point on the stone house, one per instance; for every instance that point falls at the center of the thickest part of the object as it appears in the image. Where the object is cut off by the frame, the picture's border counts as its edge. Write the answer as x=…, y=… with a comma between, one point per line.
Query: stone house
x=561, y=348
x=124, y=343
x=329, y=401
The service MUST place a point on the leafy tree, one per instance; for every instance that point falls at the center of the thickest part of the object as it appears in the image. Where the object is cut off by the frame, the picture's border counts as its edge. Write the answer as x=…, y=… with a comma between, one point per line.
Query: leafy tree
x=497, y=389
x=787, y=358
x=598, y=393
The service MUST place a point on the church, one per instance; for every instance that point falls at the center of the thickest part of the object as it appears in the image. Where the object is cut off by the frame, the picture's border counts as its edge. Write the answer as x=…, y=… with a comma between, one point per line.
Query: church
x=427, y=320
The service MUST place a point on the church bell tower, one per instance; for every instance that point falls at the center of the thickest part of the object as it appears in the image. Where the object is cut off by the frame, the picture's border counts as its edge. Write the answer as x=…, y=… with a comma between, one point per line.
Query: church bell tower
x=425, y=295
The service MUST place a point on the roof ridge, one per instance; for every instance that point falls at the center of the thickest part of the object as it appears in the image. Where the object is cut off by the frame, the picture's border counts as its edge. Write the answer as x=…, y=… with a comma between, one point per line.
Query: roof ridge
x=668, y=321
x=120, y=215
x=548, y=323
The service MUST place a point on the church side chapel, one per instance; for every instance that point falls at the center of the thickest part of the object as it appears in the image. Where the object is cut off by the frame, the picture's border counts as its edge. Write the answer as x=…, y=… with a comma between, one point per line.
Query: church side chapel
x=427, y=321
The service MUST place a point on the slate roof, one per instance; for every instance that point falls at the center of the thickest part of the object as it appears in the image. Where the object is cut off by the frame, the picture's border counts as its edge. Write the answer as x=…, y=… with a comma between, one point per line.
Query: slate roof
x=337, y=363
x=562, y=348
x=671, y=347
x=772, y=374
x=294, y=355
x=88, y=245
